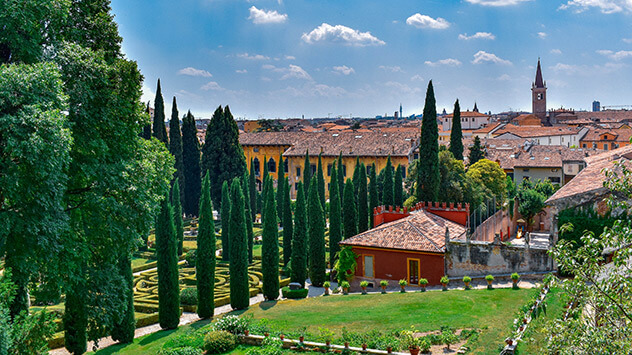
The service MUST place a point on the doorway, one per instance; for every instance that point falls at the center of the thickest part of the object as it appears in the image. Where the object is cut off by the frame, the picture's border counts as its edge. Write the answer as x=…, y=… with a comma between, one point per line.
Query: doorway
x=413, y=271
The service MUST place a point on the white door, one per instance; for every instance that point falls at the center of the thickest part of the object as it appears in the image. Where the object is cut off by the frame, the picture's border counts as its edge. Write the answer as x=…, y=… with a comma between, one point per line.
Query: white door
x=368, y=266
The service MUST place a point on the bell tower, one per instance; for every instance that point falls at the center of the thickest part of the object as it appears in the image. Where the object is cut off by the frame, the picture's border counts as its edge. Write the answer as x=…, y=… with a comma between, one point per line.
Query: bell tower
x=538, y=93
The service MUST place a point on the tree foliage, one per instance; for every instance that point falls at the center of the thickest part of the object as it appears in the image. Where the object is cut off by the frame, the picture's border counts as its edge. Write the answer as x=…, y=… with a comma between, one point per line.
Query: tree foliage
x=191, y=162
x=123, y=330
x=159, y=128
x=250, y=233
x=489, y=174
x=335, y=217
x=239, y=289
x=456, y=134
x=349, y=211
x=307, y=171
x=374, y=199
x=476, y=152
x=363, y=203
x=320, y=178
x=387, y=185
x=299, y=239
x=398, y=187
x=225, y=216
x=175, y=148
x=205, y=258
x=428, y=174
x=288, y=225
x=270, y=246
x=177, y=215
x=316, y=234
x=168, y=276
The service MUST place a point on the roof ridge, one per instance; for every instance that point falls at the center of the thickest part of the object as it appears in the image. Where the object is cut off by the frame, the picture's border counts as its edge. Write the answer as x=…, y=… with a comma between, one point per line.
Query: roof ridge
x=422, y=234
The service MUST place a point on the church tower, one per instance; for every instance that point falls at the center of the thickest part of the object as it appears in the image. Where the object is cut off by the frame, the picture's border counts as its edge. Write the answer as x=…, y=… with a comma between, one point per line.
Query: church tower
x=538, y=93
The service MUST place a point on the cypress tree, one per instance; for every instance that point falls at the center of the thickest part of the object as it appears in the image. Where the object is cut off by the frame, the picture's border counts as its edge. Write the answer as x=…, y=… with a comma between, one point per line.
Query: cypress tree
x=356, y=177
x=270, y=247
x=160, y=130
x=299, y=239
x=205, y=260
x=335, y=227
x=239, y=287
x=146, y=134
x=253, y=191
x=321, y=181
x=316, y=234
x=76, y=317
x=341, y=174
x=374, y=199
x=288, y=227
x=280, y=197
x=428, y=175
x=123, y=331
x=175, y=147
x=222, y=155
x=456, y=134
x=476, y=152
x=349, y=211
x=363, y=203
x=191, y=161
x=177, y=215
x=266, y=174
x=307, y=171
x=168, y=283
x=387, y=187
x=398, y=187
x=248, y=206
x=225, y=216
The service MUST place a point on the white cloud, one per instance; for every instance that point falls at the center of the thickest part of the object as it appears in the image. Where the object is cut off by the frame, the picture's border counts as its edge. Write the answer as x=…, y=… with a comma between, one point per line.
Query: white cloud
x=417, y=78
x=484, y=57
x=265, y=78
x=344, y=70
x=627, y=40
x=504, y=77
x=212, y=85
x=566, y=68
x=448, y=61
x=556, y=51
x=402, y=88
x=259, y=17
x=252, y=56
x=291, y=72
x=605, y=6
x=194, y=72
x=615, y=55
x=148, y=94
x=477, y=35
x=394, y=69
x=496, y=2
x=311, y=90
x=241, y=71
x=424, y=21
x=542, y=35
x=341, y=34
x=290, y=57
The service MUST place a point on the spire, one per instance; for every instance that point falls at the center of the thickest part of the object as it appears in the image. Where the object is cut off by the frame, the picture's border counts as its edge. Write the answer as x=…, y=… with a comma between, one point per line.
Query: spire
x=539, y=83
x=475, y=107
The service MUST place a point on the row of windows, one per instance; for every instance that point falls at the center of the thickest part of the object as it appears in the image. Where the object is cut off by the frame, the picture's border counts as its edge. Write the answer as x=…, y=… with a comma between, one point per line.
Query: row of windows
x=606, y=146
x=272, y=168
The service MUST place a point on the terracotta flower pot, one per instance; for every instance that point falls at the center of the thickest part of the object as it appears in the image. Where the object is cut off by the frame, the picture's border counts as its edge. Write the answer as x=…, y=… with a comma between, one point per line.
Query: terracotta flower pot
x=301, y=338
x=363, y=347
x=364, y=290
x=281, y=336
x=345, y=290
x=383, y=289
x=266, y=334
x=346, y=345
x=246, y=332
x=414, y=350
x=326, y=290
x=509, y=341
x=389, y=350
x=423, y=288
x=328, y=343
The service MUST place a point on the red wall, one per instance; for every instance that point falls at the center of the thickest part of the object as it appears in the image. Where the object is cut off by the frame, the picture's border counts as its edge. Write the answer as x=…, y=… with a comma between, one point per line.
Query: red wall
x=457, y=214
x=395, y=264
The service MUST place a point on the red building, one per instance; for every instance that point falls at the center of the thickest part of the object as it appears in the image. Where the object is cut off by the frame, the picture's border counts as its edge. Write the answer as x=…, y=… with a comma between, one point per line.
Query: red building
x=408, y=244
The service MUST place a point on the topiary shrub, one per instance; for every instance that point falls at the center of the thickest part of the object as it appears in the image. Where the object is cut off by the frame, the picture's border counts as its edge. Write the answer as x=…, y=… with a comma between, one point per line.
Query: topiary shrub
x=232, y=324
x=219, y=342
x=190, y=257
x=186, y=350
x=294, y=294
x=188, y=296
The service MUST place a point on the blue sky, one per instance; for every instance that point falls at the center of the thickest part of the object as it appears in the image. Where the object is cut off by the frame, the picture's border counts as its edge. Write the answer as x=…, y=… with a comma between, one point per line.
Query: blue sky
x=287, y=58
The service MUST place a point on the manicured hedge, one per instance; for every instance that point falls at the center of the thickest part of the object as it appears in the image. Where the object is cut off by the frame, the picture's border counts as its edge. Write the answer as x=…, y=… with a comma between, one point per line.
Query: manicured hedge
x=294, y=294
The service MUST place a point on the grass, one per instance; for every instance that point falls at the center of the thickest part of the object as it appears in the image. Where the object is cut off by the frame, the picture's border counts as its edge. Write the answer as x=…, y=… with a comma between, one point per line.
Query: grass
x=535, y=337
x=140, y=261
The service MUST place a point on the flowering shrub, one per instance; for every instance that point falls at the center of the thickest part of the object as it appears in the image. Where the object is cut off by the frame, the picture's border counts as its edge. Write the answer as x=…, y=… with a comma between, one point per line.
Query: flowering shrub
x=232, y=324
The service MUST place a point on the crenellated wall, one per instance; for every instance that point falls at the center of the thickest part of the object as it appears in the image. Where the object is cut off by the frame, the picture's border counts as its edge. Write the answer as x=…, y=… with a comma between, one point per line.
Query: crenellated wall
x=457, y=214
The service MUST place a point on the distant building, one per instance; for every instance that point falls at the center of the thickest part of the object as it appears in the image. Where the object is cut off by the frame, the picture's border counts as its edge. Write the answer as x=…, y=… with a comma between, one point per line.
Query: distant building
x=538, y=95
x=596, y=106
x=470, y=120
x=568, y=136
x=606, y=139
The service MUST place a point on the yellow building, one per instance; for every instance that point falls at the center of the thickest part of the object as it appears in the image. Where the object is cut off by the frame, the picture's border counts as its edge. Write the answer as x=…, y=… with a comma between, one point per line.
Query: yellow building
x=368, y=147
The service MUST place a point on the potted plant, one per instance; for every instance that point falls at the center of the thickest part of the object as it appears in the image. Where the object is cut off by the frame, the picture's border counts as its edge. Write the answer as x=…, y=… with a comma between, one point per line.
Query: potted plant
x=345, y=287
x=411, y=341
x=346, y=345
x=444, y=282
x=364, y=346
x=402, y=284
x=364, y=285
x=422, y=284
x=509, y=341
x=326, y=285
x=466, y=281
x=246, y=332
x=383, y=285
x=514, y=279
x=389, y=349
x=489, y=279
x=424, y=345
x=281, y=337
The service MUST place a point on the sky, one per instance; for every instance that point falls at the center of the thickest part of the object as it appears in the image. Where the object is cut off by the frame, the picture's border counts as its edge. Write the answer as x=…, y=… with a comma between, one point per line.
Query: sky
x=362, y=58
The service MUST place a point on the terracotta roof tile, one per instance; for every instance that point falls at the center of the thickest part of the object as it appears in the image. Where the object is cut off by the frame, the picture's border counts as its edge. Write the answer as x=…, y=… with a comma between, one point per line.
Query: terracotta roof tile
x=355, y=144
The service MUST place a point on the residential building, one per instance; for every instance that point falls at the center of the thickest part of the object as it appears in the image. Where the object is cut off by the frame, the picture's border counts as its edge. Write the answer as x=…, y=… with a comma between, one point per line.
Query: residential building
x=606, y=139
x=470, y=120
x=568, y=136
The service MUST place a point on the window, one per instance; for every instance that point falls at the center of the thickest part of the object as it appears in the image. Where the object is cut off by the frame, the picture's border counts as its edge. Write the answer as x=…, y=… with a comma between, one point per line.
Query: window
x=554, y=179
x=329, y=166
x=540, y=96
x=525, y=170
x=296, y=186
x=286, y=166
x=313, y=166
x=583, y=145
x=328, y=186
x=344, y=170
x=403, y=172
x=416, y=156
x=605, y=146
x=368, y=266
x=595, y=145
x=255, y=149
x=272, y=165
x=255, y=166
x=298, y=171
x=368, y=170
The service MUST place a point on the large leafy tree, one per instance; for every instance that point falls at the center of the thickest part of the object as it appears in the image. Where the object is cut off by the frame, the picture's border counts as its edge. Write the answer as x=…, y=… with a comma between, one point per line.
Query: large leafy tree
x=222, y=155
x=168, y=279
x=489, y=174
x=387, y=185
x=373, y=195
x=288, y=225
x=175, y=147
x=205, y=260
x=239, y=288
x=456, y=134
x=191, y=168
x=270, y=246
x=299, y=239
x=316, y=234
x=225, y=216
x=177, y=215
x=335, y=226
x=363, y=203
x=476, y=152
x=428, y=175
x=349, y=211
x=159, y=128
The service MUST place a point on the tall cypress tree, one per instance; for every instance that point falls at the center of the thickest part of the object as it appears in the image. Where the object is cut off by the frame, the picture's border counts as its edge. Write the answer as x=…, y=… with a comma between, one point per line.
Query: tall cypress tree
x=222, y=155
x=299, y=239
x=205, y=261
x=177, y=215
x=175, y=147
x=476, y=152
x=247, y=204
x=398, y=187
x=168, y=283
x=341, y=174
x=146, y=134
x=239, y=287
x=428, y=175
x=356, y=177
x=307, y=171
x=335, y=227
x=349, y=211
x=123, y=331
x=191, y=162
x=387, y=187
x=270, y=247
x=321, y=180
x=288, y=227
x=374, y=199
x=280, y=197
x=160, y=130
x=225, y=215
x=316, y=234
x=253, y=191
x=363, y=203
x=456, y=134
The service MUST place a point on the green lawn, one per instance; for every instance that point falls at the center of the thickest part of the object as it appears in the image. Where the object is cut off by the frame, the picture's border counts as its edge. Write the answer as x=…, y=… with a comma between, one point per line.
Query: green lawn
x=535, y=338
x=140, y=261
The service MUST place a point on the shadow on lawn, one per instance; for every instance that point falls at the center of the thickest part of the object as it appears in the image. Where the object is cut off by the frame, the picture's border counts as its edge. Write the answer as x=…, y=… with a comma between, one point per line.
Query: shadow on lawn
x=267, y=305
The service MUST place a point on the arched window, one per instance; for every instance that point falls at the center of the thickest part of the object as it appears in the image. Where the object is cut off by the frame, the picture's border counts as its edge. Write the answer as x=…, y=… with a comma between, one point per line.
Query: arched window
x=272, y=165
x=255, y=167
